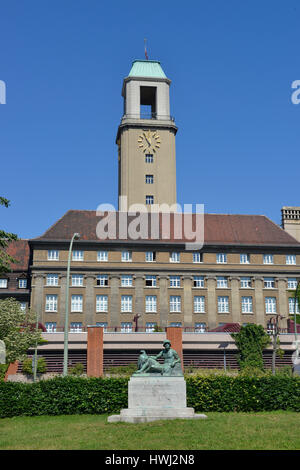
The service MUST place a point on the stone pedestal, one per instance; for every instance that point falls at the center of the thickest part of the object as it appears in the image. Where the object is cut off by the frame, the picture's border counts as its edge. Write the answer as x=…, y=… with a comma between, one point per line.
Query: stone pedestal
x=153, y=398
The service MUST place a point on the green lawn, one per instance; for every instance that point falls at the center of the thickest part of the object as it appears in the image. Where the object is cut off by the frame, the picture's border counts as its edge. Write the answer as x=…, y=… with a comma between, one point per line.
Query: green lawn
x=223, y=431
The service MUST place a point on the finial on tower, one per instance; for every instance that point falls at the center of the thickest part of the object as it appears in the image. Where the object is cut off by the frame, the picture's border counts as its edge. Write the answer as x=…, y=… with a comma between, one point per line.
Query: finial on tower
x=146, y=54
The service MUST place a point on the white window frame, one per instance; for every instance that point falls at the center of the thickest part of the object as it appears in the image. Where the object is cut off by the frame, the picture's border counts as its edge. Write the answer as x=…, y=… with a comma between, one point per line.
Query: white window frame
x=103, y=325
x=200, y=327
x=77, y=280
x=292, y=306
x=175, y=257
x=221, y=258
x=245, y=282
x=51, y=326
x=269, y=283
x=175, y=303
x=290, y=259
x=223, y=304
x=199, y=304
x=22, y=281
x=76, y=327
x=23, y=306
x=150, y=256
x=244, y=258
x=198, y=257
x=77, y=255
x=150, y=278
x=102, y=280
x=292, y=283
x=270, y=305
x=126, y=280
x=3, y=283
x=52, y=279
x=198, y=282
x=126, y=327
x=247, y=304
x=102, y=256
x=178, y=324
x=126, y=256
x=150, y=327
x=53, y=255
x=51, y=303
x=77, y=303
x=126, y=303
x=222, y=282
x=174, y=281
x=101, y=303
x=268, y=259
x=151, y=304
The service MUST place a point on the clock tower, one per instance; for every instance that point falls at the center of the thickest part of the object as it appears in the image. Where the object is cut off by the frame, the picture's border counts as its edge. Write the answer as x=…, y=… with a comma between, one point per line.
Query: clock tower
x=146, y=139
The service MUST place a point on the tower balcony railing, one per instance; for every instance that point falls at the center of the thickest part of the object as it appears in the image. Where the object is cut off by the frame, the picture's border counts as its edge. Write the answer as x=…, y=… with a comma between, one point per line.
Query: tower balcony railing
x=150, y=116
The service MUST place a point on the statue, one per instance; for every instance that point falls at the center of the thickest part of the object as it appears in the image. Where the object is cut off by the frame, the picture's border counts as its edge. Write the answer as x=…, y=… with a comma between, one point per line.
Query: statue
x=2, y=352
x=149, y=365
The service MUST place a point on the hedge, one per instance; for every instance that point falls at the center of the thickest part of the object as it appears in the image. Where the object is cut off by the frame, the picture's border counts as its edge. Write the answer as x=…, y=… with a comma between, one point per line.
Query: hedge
x=75, y=395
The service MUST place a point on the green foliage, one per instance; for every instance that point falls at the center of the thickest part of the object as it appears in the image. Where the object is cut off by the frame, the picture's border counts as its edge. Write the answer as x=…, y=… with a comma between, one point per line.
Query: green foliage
x=5, y=239
x=214, y=392
x=251, y=341
x=158, y=329
x=41, y=366
x=76, y=370
x=122, y=370
x=3, y=369
x=16, y=330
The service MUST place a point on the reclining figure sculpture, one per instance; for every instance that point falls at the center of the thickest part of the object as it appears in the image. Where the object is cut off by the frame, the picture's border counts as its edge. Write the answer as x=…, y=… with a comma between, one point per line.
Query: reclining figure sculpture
x=149, y=365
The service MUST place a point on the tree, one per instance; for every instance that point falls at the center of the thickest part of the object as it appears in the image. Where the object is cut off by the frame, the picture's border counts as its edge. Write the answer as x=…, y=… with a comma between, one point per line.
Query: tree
x=5, y=239
x=17, y=330
x=251, y=341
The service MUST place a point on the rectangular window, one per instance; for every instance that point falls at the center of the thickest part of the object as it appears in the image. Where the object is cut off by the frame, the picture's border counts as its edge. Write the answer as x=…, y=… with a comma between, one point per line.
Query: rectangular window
x=53, y=255
x=150, y=256
x=176, y=323
x=292, y=283
x=126, y=327
x=77, y=280
x=52, y=280
x=22, y=283
x=244, y=258
x=103, y=324
x=149, y=158
x=76, y=303
x=50, y=327
x=222, y=282
x=268, y=259
x=126, y=281
x=150, y=327
x=199, y=304
x=101, y=303
x=290, y=259
x=270, y=303
x=76, y=327
x=269, y=282
x=200, y=327
x=23, y=306
x=77, y=255
x=126, y=303
x=149, y=179
x=197, y=257
x=102, y=280
x=149, y=200
x=247, y=305
x=150, y=281
x=174, y=281
x=102, y=256
x=245, y=282
x=3, y=283
x=151, y=303
x=51, y=303
x=223, y=304
x=126, y=256
x=221, y=258
x=198, y=281
x=175, y=257
x=292, y=306
x=175, y=303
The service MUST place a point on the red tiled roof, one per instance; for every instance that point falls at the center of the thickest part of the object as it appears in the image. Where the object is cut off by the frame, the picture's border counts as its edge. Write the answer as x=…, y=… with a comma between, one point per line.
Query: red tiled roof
x=228, y=328
x=218, y=229
x=20, y=251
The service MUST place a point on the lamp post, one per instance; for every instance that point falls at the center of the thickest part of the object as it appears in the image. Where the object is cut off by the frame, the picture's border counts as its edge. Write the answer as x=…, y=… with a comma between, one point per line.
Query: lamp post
x=295, y=318
x=76, y=236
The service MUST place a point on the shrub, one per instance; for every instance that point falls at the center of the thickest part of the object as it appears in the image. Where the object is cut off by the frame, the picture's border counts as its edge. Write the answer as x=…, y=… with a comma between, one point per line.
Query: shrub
x=251, y=341
x=78, y=369
x=41, y=366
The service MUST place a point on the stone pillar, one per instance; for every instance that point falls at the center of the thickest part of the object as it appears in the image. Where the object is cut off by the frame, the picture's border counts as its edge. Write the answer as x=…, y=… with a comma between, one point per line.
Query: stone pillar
x=235, y=300
x=89, y=299
x=163, y=300
x=95, y=351
x=38, y=298
x=62, y=300
x=259, y=301
x=211, y=302
x=139, y=307
x=188, y=301
x=174, y=334
x=115, y=300
x=282, y=300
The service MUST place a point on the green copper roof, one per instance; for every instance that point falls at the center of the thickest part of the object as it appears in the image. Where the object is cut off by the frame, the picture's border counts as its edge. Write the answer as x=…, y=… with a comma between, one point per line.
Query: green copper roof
x=146, y=68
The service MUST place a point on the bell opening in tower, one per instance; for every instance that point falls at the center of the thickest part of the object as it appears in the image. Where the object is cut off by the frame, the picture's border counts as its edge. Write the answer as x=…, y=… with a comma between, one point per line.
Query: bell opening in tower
x=148, y=102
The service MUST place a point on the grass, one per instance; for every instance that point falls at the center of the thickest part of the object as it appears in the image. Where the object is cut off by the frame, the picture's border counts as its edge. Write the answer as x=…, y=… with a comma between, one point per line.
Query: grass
x=221, y=431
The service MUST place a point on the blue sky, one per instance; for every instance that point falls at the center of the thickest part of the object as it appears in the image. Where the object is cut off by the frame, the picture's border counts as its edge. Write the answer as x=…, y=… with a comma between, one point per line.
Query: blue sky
x=231, y=64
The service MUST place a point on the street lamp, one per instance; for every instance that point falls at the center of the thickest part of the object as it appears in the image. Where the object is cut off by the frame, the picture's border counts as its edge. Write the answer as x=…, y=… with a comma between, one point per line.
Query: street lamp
x=295, y=318
x=76, y=236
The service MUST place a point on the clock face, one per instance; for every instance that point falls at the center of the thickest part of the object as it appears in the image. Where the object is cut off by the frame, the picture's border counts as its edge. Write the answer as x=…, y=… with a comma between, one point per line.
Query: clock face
x=149, y=141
